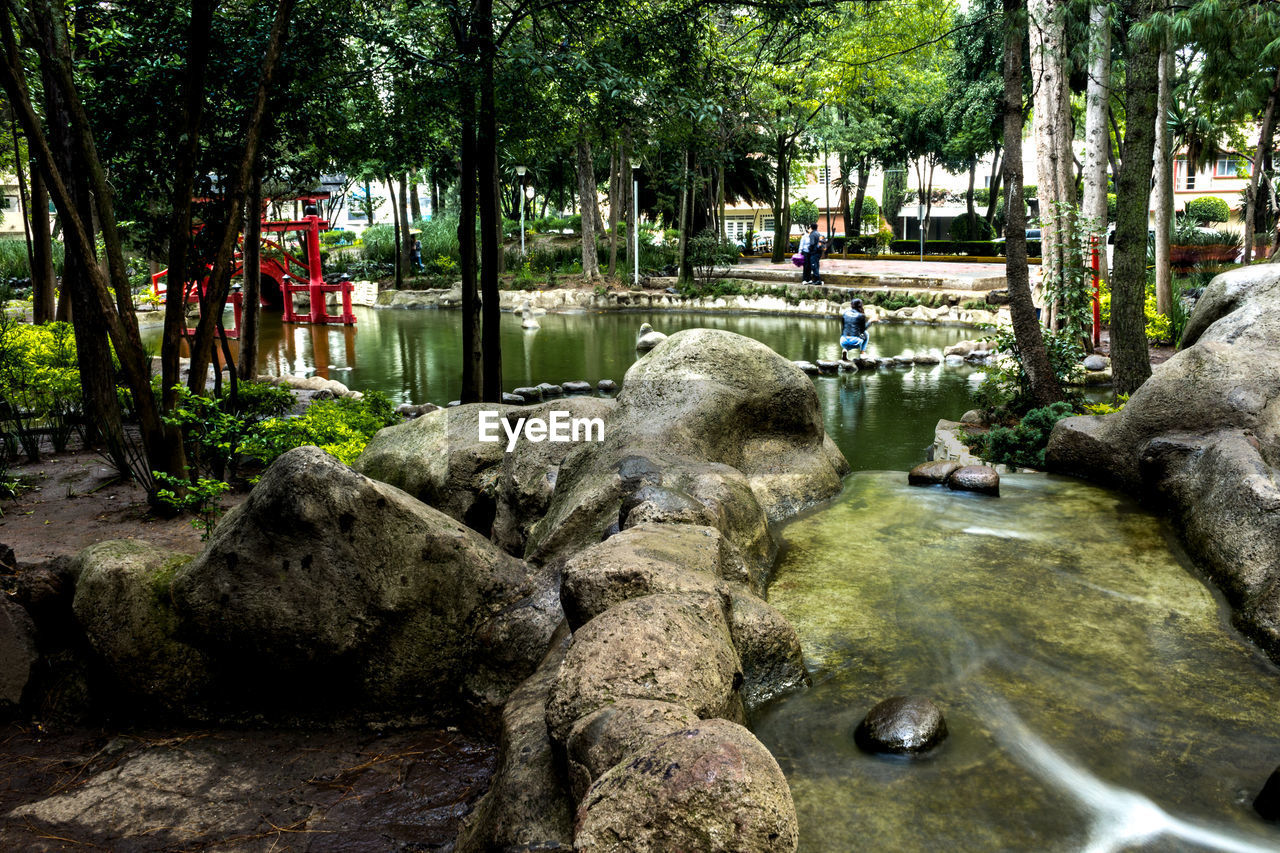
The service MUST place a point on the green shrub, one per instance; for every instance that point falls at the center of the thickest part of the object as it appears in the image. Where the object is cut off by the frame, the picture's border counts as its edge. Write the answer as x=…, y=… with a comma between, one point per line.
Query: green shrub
x=1024, y=445
x=336, y=237
x=710, y=255
x=960, y=231
x=340, y=427
x=378, y=244
x=1111, y=207
x=214, y=429
x=1208, y=209
x=982, y=196
x=894, y=301
x=39, y=385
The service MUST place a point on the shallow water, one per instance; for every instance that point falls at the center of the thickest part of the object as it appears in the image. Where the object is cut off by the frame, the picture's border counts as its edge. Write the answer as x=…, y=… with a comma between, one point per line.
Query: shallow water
x=880, y=419
x=1096, y=697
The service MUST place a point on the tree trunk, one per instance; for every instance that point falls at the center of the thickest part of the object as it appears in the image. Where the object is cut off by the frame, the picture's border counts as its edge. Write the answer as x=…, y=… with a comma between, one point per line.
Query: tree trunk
x=1097, y=141
x=851, y=229
x=1131, y=363
x=864, y=174
x=1053, y=133
x=615, y=199
x=435, y=195
x=625, y=175
x=24, y=205
x=588, y=204
x=781, y=219
x=1044, y=388
x=252, y=274
x=406, y=239
x=43, y=280
x=1164, y=184
x=1264, y=146
x=472, y=355
x=970, y=216
x=993, y=192
x=685, y=264
x=415, y=206
x=397, y=232
x=490, y=220
x=220, y=275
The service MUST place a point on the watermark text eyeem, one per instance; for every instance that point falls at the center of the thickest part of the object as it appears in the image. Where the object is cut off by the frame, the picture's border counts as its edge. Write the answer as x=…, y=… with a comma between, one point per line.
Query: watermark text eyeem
x=559, y=427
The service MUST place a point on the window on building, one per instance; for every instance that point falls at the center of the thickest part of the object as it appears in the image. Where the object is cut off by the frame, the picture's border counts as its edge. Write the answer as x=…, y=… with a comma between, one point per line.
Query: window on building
x=9, y=202
x=768, y=223
x=1183, y=179
x=824, y=175
x=1227, y=167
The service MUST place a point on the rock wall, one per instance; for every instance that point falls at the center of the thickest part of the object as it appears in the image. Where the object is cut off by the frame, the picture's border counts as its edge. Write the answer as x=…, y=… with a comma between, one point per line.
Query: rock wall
x=828, y=301
x=1201, y=438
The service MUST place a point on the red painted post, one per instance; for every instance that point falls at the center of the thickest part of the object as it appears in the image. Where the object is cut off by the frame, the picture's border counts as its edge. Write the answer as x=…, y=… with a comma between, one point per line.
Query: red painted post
x=237, y=304
x=315, y=282
x=1097, y=294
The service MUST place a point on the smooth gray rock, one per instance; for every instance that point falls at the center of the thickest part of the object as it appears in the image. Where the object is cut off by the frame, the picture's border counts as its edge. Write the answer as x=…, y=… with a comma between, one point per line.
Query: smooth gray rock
x=530, y=395
x=326, y=583
x=974, y=417
x=828, y=368
x=513, y=399
x=606, y=386
x=902, y=725
x=932, y=473
x=975, y=478
x=549, y=389
x=1096, y=362
x=809, y=368
x=647, y=339
x=576, y=386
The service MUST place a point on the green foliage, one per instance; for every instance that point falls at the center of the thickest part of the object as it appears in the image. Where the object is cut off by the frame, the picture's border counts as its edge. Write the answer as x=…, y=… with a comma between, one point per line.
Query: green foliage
x=39, y=385
x=804, y=212
x=894, y=301
x=214, y=429
x=1107, y=408
x=14, y=262
x=442, y=265
x=378, y=244
x=1006, y=387
x=1024, y=445
x=736, y=287
x=1208, y=209
x=337, y=237
x=711, y=255
x=1072, y=286
x=1111, y=207
x=1165, y=329
x=959, y=229
x=200, y=497
x=339, y=427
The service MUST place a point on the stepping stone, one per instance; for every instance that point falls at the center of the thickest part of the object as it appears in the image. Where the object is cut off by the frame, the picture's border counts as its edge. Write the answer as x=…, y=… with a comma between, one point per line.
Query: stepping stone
x=932, y=473
x=975, y=478
x=902, y=725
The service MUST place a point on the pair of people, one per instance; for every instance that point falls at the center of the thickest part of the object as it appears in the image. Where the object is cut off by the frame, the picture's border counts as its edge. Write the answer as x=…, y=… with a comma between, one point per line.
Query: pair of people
x=811, y=248
x=853, y=330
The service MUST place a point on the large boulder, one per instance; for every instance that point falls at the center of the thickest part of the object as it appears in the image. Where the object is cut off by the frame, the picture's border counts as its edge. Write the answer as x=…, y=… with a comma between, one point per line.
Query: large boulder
x=711, y=787
x=527, y=478
x=328, y=589
x=671, y=648
x=768, y=647
x=439, y=459
x=643, y=560
x=18, y=653
x=711, y=415
x=1202, y=438
x=605, y=737
x=123, y=603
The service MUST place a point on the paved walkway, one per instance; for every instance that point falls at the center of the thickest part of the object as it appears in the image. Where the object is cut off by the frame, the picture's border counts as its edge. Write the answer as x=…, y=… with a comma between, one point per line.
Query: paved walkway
x=898, y=268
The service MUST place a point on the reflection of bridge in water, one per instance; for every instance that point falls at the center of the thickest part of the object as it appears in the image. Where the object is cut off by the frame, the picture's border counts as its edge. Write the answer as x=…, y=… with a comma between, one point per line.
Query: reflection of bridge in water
x=287, y=349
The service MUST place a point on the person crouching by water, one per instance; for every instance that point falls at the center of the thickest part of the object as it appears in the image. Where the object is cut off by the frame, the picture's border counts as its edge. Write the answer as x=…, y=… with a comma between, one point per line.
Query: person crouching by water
x=853, y=333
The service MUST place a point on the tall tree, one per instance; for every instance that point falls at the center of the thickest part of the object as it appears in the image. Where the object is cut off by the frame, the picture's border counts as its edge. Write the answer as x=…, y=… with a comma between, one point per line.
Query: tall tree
x=1097, y=139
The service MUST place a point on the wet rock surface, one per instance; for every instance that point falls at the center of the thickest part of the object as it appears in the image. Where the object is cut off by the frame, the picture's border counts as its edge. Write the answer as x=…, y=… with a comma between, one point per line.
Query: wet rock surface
x=975, y=478
x=902, y=725
x=932, y=473
x=17, y=653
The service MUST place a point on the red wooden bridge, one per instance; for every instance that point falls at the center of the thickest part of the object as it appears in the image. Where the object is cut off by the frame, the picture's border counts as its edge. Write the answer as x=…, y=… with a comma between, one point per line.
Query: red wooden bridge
x=283, y=277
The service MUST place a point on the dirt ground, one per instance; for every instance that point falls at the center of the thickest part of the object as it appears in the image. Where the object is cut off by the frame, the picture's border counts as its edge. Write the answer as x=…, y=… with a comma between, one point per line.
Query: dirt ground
x=121, y=789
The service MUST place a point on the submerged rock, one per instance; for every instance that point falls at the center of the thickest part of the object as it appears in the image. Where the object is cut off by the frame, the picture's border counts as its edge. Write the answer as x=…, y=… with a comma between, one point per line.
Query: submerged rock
x=712, y=788
x=902, y=725
x=975, y=478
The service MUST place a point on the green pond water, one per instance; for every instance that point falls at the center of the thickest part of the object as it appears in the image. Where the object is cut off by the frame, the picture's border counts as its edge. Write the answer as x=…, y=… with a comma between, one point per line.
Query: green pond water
x=880, y=419
x=1096, y=697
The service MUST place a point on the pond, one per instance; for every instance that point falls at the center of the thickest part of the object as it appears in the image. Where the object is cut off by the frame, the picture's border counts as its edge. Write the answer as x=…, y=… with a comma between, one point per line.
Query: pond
x=880, y=419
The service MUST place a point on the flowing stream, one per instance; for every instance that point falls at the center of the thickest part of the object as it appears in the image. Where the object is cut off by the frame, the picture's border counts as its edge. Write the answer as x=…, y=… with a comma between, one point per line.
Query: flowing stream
x=1096, y=696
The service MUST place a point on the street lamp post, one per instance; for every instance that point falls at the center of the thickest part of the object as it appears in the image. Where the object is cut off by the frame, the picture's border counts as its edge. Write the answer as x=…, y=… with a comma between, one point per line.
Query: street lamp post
x=920, y=222
x=635, y=220
x=520, y=170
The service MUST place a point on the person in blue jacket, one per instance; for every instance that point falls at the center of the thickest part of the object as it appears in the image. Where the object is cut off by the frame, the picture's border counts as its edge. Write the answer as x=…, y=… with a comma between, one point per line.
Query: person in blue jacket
x=853, y=332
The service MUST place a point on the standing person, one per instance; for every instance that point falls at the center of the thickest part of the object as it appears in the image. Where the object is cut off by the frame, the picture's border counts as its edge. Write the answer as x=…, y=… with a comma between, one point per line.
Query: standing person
x=806, y=241
x=853, y=330
x=817, y=244
x=417, y=253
